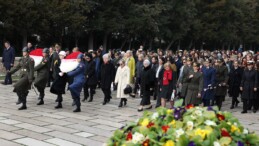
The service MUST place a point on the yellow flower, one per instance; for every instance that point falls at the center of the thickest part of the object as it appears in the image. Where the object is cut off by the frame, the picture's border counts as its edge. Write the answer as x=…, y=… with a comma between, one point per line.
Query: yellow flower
x=172, y=123
x=169, y=143
x=145, y=122
x=202, y=133
x=169, y=111
x=234, y=128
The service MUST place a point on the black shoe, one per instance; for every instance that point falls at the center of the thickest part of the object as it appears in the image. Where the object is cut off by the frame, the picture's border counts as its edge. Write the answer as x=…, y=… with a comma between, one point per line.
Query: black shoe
x=125, y=102
x=120, y=105
x=133, y=95
x=232, y=107
x=140, y=110
x=23, y=107
x=249, y=109
x=150, y=107
x=85, y=98
x=58, y=106
x=104, y=102
x=90, y=100
x=254, y=111
x=108, y=100
x=243, y=112
x=77, y=110
x=41, y=102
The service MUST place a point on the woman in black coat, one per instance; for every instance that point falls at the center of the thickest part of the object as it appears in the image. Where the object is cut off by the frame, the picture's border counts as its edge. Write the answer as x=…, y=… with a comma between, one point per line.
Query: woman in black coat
x=90, y=76
x=235, y=76
x=59, y=84
x=249, y=85
x=146, y=85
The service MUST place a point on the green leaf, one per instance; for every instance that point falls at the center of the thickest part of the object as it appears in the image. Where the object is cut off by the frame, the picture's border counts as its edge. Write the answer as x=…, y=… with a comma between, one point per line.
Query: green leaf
x=178, y=103
x=225, y=141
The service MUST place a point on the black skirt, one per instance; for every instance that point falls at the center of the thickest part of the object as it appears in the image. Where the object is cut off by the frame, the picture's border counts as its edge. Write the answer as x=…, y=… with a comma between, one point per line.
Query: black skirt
x=163, y=92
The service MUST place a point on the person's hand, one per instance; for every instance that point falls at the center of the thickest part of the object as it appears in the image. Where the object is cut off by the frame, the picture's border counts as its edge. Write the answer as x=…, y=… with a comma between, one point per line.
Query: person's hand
x=224, y=84
x=50, y=69
x=255, y=89
x=241, y=88
x=191, y=76
x=199, y=95
x=61, y=74
x=11, y=65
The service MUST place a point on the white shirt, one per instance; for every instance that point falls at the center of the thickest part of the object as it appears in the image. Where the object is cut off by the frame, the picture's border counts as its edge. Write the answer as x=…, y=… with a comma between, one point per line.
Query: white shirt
x=158, y=70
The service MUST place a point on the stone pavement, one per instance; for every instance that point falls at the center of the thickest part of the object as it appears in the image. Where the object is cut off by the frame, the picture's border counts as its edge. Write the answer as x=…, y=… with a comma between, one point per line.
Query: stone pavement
x=46, y=126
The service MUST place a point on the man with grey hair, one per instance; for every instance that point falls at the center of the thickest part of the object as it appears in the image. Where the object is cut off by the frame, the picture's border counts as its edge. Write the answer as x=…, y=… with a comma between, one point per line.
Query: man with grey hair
x=107, y=77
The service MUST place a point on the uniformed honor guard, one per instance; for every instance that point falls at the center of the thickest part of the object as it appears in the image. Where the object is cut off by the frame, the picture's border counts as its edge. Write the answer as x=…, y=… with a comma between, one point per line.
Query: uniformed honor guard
x=22, y=87
x=42, y=75
x=78, y=82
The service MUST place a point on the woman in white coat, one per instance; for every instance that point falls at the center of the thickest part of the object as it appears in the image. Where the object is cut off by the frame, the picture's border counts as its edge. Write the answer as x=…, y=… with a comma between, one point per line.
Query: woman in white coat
x=122, y=78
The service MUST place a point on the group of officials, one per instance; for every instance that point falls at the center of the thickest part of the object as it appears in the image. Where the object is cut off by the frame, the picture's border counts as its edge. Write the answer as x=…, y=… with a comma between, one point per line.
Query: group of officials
x=198, y=76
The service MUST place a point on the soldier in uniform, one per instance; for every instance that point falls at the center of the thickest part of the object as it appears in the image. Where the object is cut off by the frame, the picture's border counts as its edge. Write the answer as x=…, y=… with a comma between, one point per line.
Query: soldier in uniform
x=78, y=82
x=221, y=81
x=185, y=77
x=42, y=75
x=22, y=87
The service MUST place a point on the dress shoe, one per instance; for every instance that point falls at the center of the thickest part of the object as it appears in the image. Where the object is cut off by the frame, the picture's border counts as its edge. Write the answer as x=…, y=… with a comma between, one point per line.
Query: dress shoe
x=108, y=100
x=125, y=102
x=133, y=95
x=85, y=98
x=243, y=112
x=23, y=107
x=150, y=107
x=237, y=103
x=104, y=102
x=232, y=107
x=140, y=109
x=3, y=83
x=254, y=111
x=41, y=102
x=91, y=99
x=58, y=106
x=77, y=110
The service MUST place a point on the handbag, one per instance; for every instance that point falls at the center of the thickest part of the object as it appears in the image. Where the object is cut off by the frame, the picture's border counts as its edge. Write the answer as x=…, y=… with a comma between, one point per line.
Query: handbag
x=128, y=89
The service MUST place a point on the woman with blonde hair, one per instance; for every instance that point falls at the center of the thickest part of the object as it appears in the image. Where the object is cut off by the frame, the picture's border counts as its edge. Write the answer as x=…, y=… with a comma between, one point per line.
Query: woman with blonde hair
x=122, y=78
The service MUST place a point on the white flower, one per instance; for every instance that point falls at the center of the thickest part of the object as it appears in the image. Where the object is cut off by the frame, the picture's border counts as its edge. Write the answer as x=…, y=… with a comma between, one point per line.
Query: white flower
x=193, y=117
x=154, y=116
x=137, y=120
x=210, y=123
x=245, y=131
x=137, y=137
x=189, y=125
x=198, y=113
x=179, y=132
x=216, y=143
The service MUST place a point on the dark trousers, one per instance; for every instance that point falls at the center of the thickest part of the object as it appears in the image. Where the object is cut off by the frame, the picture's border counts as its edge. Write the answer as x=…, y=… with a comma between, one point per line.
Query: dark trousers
x=137, y=85
x=22, y=96
x=92, y=90
x=8, y=77
x=41, y=91
x=107, y=93
x=50, y=79
x=234, y=101
x=248, y=104
x=145, y=100
x=219, y=100
x=206, y=102
x=59, y=98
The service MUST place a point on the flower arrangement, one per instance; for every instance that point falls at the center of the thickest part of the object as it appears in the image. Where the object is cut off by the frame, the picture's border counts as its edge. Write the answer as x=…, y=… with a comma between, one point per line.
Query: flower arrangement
x=185, y=126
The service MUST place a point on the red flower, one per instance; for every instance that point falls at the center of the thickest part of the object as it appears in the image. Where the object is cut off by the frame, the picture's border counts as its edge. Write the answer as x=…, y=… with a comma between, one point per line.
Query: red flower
x=129, y=136
x=189, y=106
x=150, y=124
x=145, y=143
x=220, y=117
x=165, y=128
x=224, y=133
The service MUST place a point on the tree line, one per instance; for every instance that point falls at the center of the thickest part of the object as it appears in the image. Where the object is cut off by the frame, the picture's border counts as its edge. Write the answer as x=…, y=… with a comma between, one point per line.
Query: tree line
x=126, y=24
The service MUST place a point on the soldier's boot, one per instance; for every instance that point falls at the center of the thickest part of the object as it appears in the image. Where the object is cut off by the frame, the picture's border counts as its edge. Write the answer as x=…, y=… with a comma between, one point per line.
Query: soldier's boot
x=19, y=101
x=23, y=107
x=41, y=102
x=59, y=105
x=78, y=104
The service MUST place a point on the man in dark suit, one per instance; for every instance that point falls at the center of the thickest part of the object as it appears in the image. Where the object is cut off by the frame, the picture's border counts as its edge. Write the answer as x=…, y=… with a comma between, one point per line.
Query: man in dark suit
x=8, y=61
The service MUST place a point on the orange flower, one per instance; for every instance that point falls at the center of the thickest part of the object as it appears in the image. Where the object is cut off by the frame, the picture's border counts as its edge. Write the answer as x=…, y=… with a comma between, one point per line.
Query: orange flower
x=165, y=128
x=150, y=124
x=189, y=106
x=145, y=143
x=225, y=133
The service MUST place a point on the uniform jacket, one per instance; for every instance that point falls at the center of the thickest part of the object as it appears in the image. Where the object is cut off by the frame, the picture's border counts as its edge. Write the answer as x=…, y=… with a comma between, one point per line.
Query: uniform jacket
x=209, y=75
x=26, y=67
x=42, y=73
x=195, y=86
x=234, y=82
x=220, y=79
x=249, y=82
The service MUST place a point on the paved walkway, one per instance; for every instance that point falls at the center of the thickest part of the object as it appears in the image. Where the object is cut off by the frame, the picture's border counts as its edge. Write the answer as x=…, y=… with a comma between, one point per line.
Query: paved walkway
x=46, y=126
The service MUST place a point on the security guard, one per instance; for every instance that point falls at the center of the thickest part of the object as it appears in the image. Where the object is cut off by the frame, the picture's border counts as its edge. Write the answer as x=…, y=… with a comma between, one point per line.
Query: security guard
x=22, y=87
x=42, y=75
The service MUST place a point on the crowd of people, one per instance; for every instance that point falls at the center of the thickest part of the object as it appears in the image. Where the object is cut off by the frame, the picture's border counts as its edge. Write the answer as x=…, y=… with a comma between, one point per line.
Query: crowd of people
x=200, y=77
